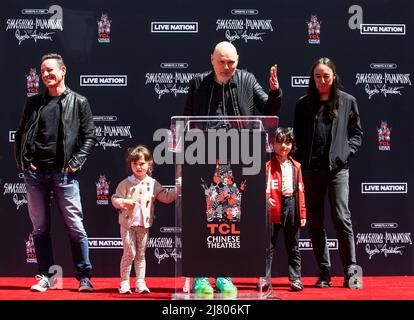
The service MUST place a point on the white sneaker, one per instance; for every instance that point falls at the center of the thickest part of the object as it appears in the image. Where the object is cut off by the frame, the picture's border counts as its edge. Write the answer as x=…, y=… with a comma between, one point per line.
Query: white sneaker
x=124, y=287
x=142, y=287
x=187, y=285
x=42, y=285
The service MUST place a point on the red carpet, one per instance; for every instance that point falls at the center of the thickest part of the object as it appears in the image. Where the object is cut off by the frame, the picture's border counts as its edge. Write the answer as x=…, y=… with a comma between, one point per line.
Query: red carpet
x=374, y=288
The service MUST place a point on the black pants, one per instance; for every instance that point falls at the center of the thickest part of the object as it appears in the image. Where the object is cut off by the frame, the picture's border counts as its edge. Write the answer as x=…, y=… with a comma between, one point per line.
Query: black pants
x=290, y=224
x=336, y=184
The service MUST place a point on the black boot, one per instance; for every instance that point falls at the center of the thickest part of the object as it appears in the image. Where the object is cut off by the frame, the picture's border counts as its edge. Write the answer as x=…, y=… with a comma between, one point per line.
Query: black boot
x=324, y=280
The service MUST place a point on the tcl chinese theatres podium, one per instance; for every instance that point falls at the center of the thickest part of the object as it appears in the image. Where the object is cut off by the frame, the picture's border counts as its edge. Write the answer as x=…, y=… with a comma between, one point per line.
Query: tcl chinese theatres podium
x=222, y=223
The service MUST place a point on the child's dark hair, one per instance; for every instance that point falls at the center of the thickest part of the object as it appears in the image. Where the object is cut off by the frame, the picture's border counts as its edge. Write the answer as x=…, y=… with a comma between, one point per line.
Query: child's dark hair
x=137, y=153
x=285, y=135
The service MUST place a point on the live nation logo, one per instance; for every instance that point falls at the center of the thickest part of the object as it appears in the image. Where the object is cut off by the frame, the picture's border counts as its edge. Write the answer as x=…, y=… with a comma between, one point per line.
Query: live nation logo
x=306, y=244
x=299, y=81
x=388, y=29
x=387, y=243
x=384, y=136
x=36, y=24
x=174, y=27
x=110, y=134
x=103, y=80
x=105, y=243
x=383, y=29
x=384, y=187
x=168, y=80
x=244, y=26
x=383, y=83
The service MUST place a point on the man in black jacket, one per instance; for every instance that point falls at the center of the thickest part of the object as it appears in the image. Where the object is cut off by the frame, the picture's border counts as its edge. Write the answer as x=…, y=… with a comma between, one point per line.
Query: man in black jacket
x=328, y=133
x=53, y=140
x=228, y=91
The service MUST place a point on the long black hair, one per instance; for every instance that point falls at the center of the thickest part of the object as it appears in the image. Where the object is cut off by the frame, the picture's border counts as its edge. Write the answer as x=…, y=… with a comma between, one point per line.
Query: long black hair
x=313, y=93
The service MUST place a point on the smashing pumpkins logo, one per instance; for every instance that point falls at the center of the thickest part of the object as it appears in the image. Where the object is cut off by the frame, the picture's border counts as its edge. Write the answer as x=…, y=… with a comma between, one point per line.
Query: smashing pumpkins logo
x=223, y=208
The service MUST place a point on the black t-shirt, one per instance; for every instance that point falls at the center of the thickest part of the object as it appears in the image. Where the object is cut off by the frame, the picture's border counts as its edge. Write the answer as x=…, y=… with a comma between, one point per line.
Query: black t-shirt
x=49, y=139
x=322, y=136
x=220, y=102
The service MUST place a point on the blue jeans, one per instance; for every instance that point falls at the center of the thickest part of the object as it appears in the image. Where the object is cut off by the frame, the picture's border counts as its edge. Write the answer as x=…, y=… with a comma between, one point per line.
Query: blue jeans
x=64, y=187
x=318, y=183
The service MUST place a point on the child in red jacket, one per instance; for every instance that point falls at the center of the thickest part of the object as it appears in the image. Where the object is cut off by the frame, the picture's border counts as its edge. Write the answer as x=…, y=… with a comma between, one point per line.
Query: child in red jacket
x=286, y=198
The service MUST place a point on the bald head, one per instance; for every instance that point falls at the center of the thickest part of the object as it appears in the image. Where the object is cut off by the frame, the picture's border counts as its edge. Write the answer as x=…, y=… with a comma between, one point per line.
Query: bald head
x=225, y=47
x=224, y=60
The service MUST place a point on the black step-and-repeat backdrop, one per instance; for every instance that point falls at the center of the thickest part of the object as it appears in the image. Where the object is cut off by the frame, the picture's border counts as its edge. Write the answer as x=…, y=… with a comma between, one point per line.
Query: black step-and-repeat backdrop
x=134, y=60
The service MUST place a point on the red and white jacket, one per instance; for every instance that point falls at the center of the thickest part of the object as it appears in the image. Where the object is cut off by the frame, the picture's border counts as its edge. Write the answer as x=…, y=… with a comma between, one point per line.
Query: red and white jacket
x=274, y=188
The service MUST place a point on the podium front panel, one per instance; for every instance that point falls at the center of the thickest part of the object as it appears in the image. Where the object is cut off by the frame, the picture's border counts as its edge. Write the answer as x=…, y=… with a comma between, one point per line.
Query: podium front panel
x=224, y=216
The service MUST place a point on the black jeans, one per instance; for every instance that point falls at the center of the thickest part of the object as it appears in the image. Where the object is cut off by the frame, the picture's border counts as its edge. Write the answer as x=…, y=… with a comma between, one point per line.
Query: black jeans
x=290, y=224
x=336, y=184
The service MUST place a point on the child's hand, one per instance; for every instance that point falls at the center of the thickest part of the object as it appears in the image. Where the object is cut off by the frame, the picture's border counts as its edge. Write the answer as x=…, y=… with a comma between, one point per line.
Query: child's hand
x=271, y=202
x=128, y=204
x=302, y=222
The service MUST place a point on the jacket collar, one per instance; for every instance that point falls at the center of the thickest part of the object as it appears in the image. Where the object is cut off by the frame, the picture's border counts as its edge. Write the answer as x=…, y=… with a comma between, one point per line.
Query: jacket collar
x=293, y=161
x=64, y=94
x=135, y=180
x=233, y=80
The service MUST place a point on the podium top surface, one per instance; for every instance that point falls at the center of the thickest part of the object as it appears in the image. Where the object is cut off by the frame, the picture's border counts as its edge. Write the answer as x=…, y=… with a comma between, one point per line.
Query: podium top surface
x=263, y=123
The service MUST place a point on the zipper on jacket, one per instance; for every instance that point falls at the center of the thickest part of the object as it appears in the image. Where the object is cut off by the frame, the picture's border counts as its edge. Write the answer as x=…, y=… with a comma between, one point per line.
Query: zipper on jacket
x=311, y=146
x=234, y=103
x=28, y=131
x=224, y=103
x=63, y=134
x=330, y=147
x=209, y=102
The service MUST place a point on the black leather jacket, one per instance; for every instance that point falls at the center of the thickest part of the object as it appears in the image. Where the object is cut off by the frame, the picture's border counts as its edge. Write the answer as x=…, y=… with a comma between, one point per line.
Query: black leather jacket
x=78, y=130
x=246, y=94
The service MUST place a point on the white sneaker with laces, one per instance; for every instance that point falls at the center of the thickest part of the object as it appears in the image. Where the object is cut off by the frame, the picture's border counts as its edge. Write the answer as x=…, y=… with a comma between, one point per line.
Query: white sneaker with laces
x=142, y=287
x=42, y=285
x=124, y=287
x=187, y=285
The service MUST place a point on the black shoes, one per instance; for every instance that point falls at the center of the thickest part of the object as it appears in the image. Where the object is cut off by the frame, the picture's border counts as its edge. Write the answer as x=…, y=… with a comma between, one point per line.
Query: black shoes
x=323, y=283
x=352, y=279
x=324, y=280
